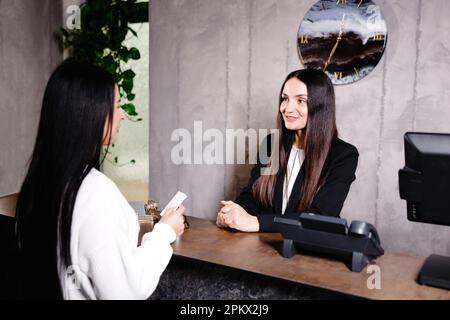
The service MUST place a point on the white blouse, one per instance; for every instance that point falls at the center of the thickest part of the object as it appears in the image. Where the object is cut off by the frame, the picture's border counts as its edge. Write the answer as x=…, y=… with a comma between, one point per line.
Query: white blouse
x=106, y=260
x=296, y=158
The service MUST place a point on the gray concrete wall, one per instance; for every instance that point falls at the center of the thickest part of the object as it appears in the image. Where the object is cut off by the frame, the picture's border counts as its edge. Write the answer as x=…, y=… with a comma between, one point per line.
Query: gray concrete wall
x=222, y=62
x=28, y=54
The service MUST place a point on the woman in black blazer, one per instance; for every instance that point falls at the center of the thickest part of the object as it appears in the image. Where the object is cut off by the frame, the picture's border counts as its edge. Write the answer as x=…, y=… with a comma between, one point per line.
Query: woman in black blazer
x=316, y=168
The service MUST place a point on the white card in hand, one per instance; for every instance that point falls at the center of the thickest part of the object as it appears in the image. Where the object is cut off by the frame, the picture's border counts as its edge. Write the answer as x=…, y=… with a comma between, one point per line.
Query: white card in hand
x=176, y=201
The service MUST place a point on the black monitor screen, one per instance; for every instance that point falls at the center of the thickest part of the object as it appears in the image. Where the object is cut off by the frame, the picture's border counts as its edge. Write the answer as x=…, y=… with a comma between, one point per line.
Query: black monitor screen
x=425, y=180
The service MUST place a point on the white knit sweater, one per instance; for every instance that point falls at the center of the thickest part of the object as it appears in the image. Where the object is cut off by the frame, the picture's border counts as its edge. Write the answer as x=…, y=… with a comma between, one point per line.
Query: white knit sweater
x=106, y=261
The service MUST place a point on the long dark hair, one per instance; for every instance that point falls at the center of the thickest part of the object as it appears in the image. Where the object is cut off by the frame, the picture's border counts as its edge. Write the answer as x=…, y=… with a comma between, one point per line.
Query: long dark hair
x=78, y=100
x=320, y=133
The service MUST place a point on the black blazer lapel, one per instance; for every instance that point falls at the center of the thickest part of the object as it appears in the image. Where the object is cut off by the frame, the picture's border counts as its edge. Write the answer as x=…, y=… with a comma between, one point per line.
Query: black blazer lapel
x=278, y=194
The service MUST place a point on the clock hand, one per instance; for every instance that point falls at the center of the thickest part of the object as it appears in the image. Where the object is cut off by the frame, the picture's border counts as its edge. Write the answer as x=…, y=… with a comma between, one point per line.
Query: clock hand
x=331, y=53
x=339, y=38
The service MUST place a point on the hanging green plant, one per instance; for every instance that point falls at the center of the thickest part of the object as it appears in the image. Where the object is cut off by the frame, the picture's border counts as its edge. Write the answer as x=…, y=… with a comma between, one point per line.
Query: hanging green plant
x=99, y=40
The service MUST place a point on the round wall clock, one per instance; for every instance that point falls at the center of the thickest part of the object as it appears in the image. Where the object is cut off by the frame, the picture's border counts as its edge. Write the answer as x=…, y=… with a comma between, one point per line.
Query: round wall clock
x=344, y=38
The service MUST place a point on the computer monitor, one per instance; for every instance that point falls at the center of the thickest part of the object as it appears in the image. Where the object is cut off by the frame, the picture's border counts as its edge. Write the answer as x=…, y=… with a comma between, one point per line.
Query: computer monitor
x=424, y=183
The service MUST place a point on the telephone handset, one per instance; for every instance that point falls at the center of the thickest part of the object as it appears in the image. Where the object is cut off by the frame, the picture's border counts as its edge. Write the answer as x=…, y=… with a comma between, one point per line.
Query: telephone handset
x=364, y=229
x=338, y=225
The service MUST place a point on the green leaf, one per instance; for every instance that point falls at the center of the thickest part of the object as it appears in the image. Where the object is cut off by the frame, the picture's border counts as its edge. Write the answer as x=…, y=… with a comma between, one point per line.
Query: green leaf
x=108, y=63
x=134, y=53
x=128, y=74
x=130, y=109
x=133, y=32
x=127, y=85
x=116, y=159
x=124, y=54
x=131, y=96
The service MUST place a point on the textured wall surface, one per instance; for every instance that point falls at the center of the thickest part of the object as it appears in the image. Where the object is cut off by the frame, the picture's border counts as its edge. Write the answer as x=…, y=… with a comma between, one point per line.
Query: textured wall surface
x=28, y=54
x=222, y=62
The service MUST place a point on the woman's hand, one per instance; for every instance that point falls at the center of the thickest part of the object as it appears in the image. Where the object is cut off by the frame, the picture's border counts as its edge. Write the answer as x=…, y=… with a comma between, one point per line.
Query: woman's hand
x=175, y=219
x=234, y=216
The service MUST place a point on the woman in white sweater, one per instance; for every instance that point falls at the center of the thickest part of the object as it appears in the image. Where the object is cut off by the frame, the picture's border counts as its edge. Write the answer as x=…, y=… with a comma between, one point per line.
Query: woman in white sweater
x=77, y=233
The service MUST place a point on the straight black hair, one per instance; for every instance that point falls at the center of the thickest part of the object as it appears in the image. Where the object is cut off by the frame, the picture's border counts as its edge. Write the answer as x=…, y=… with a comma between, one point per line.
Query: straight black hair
x=78, y=101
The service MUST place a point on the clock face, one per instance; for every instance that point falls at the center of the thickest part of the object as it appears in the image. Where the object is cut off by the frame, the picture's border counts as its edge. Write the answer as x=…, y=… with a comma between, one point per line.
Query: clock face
x=344, y=38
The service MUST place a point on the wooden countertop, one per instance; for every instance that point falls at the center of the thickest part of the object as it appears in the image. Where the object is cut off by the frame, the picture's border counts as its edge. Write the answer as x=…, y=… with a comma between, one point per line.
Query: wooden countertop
x=259, y=253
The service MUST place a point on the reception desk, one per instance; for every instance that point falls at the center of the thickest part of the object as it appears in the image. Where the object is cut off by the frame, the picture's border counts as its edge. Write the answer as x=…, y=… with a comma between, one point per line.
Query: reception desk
x=214, y=263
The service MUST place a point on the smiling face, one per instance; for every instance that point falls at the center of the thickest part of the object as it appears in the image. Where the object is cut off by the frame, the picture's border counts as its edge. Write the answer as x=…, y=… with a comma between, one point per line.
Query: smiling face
x=294, y=104
x=118, y=116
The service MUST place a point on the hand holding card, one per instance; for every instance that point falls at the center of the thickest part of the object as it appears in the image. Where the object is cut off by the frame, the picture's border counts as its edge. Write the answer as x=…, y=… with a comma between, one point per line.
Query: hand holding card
x=175, y=202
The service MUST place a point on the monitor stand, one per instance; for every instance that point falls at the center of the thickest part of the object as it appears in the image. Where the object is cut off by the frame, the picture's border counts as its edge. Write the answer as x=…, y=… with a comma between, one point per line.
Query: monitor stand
x=435, y=272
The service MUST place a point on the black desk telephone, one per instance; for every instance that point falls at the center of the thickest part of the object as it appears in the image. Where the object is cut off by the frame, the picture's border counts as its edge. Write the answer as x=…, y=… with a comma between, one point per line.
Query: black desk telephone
x=358, y=244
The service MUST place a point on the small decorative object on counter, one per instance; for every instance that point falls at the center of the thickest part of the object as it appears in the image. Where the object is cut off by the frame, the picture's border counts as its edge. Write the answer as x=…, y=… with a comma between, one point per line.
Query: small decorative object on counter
x=152, y=215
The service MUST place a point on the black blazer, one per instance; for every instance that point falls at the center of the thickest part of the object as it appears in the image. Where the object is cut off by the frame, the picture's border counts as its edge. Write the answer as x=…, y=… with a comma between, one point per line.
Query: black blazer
x=341, y=167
